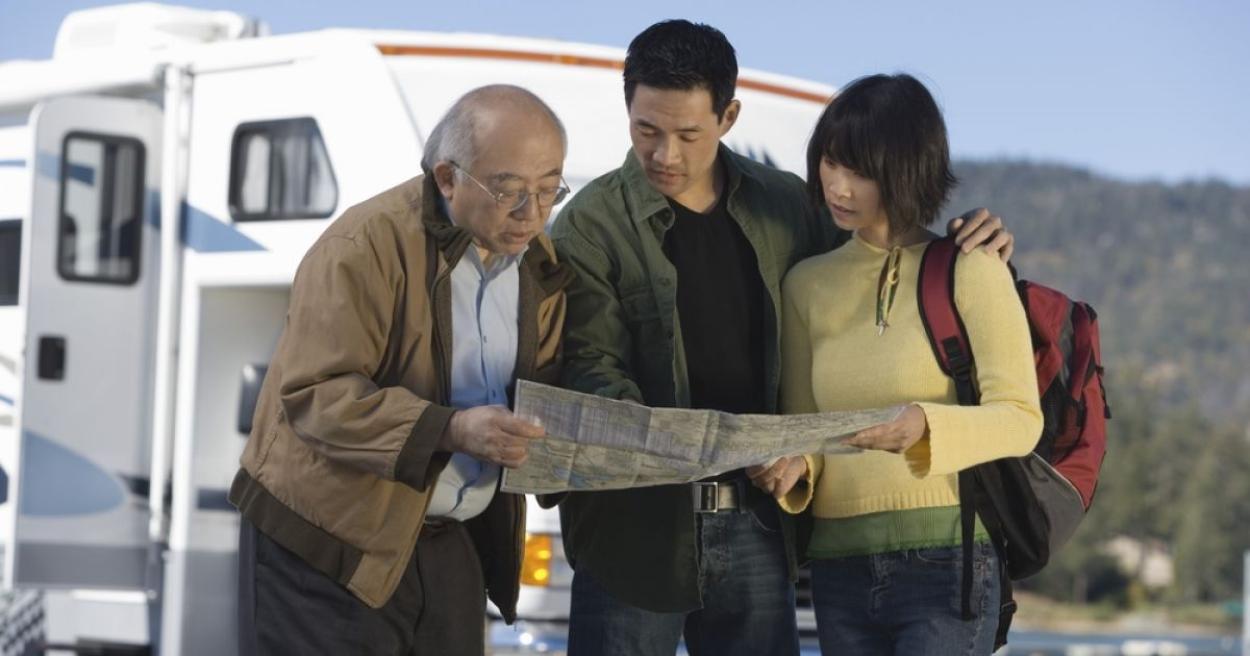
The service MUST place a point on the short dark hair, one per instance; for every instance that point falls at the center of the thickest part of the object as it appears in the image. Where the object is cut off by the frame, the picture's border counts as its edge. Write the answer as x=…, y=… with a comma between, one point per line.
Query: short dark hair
x=888, y=129
x=678, y=54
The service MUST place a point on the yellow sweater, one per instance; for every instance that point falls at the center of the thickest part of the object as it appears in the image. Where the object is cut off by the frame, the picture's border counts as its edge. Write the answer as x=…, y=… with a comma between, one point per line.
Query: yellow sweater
x=833, y=359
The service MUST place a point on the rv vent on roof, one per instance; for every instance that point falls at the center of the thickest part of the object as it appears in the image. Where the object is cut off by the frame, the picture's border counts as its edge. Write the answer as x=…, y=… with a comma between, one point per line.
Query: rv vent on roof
x=149, y=26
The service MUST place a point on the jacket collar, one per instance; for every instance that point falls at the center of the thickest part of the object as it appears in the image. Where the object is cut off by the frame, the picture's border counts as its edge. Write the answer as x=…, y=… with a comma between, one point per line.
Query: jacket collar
x=541, y=265
x=645, y=202
x=451, y=240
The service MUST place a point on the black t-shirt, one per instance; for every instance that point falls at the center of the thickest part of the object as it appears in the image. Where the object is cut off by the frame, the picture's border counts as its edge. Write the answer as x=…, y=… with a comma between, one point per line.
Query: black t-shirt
x=720, y=304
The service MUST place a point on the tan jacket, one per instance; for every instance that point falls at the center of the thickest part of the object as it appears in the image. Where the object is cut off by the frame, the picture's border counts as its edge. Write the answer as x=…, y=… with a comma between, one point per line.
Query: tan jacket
x=340, y=466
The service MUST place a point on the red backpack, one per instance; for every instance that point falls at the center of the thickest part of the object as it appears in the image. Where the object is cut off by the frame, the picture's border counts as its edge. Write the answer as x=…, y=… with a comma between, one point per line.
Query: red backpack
x=1030, y=506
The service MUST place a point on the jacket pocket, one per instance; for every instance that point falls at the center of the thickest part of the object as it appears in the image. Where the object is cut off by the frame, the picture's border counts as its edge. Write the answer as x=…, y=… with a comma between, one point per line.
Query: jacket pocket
x=646, y=330
x=639, y=305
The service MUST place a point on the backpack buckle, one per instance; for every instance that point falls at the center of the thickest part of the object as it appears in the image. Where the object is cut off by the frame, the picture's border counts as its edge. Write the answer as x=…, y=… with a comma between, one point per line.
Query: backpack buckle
x=956, y=359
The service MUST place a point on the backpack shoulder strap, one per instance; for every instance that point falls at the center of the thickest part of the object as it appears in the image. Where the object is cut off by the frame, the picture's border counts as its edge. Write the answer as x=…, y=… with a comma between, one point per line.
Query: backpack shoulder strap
x=936, y=298
x=935, y=292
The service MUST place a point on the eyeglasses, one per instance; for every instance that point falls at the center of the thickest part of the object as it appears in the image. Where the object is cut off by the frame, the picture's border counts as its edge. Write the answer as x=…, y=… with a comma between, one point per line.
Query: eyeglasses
x=515, y=200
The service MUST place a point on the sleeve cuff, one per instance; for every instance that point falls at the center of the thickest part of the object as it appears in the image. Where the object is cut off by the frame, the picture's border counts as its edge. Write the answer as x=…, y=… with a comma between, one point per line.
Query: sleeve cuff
x=944, y=421
x=621, y=390
x=800, y=496
x=418, y=464
x=919, y=458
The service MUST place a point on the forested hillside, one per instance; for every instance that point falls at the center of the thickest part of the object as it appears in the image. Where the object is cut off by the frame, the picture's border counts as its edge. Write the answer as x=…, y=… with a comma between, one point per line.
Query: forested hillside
x=1163, y=266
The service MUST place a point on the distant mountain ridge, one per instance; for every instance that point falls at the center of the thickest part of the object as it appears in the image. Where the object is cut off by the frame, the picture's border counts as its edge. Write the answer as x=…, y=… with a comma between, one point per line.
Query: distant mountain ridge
x=1161, y=263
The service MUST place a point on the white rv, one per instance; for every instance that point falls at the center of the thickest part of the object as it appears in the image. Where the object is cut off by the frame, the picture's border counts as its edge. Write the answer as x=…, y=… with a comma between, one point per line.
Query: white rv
x=160, y=178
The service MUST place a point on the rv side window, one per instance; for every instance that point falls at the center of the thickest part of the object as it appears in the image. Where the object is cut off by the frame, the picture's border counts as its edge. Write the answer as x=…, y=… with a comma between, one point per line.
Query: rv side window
x=10, y=260
x=280, y=170
x=101, y=209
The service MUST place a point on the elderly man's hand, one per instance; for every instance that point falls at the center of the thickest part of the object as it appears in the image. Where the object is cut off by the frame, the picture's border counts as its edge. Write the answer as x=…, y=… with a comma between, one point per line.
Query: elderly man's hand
x=981, y=228
x=492, y=434
x=779, y=477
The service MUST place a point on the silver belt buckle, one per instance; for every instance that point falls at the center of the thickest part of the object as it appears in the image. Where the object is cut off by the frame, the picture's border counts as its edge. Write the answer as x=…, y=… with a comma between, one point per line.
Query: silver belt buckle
x=706, y=497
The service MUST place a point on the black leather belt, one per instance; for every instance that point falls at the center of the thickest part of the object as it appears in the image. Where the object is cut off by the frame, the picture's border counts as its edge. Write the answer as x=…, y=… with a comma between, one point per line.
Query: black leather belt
x=719, y=496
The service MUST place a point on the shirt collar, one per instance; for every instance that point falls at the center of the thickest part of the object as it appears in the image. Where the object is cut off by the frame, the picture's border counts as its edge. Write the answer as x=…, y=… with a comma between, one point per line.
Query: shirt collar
x=645, y=202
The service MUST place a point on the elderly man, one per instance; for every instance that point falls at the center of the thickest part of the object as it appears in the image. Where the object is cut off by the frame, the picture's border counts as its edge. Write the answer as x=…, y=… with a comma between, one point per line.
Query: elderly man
x=372, y=523
x=680, y=255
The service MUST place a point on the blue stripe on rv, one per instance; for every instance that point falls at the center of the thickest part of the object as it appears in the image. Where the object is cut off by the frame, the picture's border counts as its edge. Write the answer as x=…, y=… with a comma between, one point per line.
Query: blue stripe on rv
x=49, y=165
x=47, y=465
x=203, y=233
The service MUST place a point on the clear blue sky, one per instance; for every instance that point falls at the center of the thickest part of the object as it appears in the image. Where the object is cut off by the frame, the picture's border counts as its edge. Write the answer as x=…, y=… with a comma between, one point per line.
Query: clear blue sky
x=1135, y=89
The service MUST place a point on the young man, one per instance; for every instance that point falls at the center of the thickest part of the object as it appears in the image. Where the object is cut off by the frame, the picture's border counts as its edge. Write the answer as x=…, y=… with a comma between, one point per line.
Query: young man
x=680, y=255
x=371, y=521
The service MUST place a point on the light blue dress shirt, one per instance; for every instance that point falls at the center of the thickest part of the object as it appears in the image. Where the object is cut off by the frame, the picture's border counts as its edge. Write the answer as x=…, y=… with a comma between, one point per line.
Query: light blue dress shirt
x=483, y=357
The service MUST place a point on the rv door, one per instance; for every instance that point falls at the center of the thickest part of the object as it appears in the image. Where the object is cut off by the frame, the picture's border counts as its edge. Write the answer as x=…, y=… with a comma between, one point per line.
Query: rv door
x=84, y=415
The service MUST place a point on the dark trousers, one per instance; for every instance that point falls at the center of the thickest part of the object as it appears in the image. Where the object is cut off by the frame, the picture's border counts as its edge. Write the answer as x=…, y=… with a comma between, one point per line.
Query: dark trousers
x=748, y=599
x=287, y=607
x=906, y=603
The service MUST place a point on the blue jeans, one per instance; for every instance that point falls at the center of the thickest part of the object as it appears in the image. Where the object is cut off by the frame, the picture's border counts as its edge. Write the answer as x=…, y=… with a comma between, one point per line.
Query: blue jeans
x=906, y=602
x=748, y=600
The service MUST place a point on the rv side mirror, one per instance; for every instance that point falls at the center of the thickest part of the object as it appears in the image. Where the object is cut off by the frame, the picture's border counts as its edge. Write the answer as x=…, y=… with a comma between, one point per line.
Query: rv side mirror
x=249, y=391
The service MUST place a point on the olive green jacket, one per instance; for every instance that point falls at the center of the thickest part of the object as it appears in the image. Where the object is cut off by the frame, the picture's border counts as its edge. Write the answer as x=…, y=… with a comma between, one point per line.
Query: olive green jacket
x=623, y=340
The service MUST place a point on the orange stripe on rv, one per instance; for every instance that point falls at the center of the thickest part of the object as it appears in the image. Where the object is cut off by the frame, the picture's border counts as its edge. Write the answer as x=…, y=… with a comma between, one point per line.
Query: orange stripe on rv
x=574, y=60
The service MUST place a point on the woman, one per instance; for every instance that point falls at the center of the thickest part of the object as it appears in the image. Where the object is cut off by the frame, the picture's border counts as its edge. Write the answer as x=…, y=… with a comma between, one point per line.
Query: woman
x=887, y=561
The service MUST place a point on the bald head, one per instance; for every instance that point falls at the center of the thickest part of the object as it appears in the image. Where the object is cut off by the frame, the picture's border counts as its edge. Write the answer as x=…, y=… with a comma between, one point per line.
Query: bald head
x=497, y=158
x=481, y=115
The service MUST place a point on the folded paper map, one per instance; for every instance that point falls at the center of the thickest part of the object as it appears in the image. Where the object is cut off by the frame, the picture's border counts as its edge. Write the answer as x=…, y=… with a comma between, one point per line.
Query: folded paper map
x=595, y=443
